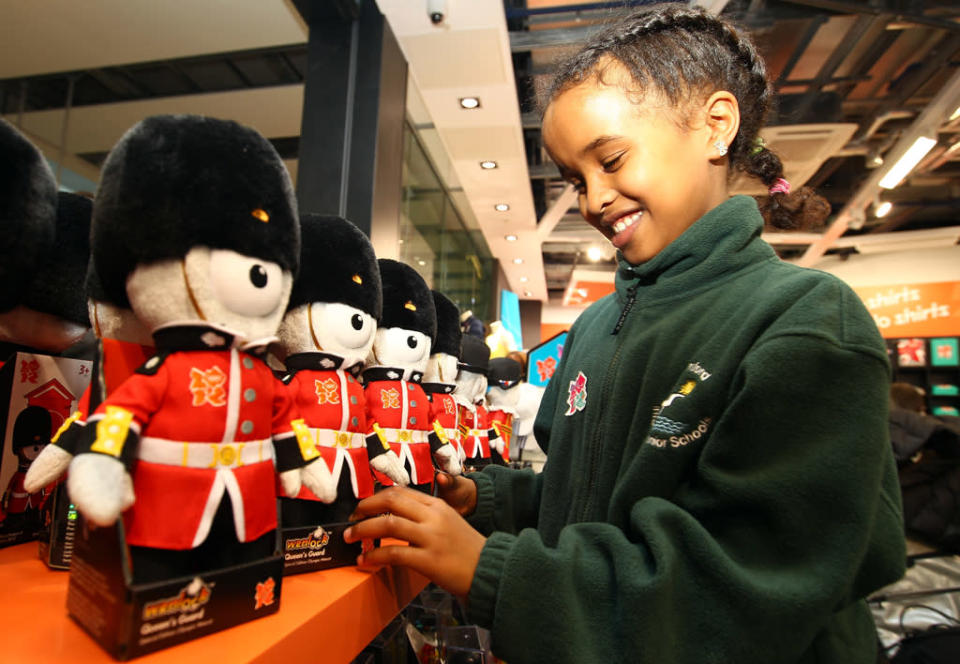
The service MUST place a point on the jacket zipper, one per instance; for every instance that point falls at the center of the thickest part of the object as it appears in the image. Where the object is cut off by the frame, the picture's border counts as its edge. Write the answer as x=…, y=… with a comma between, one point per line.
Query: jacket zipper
x=597, y=450
x=631, y=298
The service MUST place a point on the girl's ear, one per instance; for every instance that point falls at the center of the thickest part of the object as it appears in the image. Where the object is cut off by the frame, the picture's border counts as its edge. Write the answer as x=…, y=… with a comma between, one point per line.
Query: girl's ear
x=722, y=115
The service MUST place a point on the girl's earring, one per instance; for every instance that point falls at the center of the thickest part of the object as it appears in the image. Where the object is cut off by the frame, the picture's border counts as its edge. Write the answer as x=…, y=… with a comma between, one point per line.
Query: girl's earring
x=721, y=147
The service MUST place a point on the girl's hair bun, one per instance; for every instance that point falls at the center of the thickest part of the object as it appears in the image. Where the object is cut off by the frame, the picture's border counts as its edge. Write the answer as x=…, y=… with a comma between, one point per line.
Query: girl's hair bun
x=800, y=210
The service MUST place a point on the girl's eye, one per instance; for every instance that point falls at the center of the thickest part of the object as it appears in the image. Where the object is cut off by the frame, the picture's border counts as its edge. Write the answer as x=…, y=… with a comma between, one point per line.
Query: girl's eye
x=612, y=163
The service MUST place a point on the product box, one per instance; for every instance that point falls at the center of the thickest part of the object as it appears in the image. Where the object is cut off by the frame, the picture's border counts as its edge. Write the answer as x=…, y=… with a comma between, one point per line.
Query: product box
x=37, y=394
x=943, y=352
x=313, y=548
x=129, y=620
x=59, y=528
x=912, y=352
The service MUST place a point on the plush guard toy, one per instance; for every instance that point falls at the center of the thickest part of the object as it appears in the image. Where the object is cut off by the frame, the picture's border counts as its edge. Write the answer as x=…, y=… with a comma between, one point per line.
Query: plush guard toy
x=327, y=333
x=195, y=228
x=503, y=396
x=440, y=377
x=397, y=407
x=44, y=249
x=471, y=387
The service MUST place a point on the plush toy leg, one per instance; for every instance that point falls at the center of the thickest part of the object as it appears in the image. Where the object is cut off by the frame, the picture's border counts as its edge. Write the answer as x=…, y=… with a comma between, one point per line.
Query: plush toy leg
x=296, y=513
x=220, y=549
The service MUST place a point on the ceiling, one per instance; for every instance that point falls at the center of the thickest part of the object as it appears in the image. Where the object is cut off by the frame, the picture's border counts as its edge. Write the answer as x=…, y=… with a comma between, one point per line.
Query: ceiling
x=857, y=83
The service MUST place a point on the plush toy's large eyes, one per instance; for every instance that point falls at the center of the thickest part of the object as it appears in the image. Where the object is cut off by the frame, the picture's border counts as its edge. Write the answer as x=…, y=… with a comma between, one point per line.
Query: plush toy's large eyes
x=245, y=285
x=402, y=346
x=350, y=327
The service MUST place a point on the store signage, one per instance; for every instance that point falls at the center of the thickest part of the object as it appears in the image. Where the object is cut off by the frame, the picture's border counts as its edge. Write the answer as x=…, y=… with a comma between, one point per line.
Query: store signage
x=542, y=360
x=914, y=310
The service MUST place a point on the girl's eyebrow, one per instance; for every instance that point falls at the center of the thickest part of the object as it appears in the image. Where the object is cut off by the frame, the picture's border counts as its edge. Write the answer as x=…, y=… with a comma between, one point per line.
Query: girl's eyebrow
x=597, y=142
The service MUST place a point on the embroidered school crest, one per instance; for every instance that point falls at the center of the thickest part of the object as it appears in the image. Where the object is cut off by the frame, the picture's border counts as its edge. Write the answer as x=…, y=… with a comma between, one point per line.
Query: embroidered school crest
x=577, y=399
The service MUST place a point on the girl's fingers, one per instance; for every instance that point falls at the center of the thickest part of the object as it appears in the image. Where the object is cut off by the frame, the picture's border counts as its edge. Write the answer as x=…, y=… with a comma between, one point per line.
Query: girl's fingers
x=408, y=503
x=387, y=525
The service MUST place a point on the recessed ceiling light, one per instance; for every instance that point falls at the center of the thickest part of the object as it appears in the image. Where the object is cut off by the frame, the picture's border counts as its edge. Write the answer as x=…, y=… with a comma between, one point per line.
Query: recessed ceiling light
x=510, y=238
x=517, y=261
x=421, y=262
x=883, y=209
x=524, y=280
x=470, y=102
x=488, y=164
x=501, y=207
x=527, y=293
x=594, y=253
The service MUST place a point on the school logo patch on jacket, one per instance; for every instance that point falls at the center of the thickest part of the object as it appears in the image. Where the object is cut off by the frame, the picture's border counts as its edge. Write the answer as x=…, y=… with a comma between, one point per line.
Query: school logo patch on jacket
x=577, y=398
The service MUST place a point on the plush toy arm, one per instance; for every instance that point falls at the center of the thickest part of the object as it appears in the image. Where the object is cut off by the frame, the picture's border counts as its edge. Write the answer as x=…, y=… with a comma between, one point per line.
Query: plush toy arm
x=390, y=465
x=444, y=453
x=448, y=459
x=100, y=487
x=316, y=477
x=291, y=482
x=52, y=462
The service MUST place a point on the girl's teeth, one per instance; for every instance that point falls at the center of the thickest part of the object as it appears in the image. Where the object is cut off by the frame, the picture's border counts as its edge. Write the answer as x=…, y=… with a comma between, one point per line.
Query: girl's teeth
x=626, y=222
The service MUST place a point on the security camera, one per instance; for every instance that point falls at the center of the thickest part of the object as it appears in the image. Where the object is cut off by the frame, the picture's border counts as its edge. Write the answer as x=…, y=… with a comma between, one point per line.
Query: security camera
x=435, y=10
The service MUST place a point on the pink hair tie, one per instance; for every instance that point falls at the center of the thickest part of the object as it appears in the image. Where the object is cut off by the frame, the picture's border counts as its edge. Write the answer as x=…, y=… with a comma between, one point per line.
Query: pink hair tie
x=781, y=186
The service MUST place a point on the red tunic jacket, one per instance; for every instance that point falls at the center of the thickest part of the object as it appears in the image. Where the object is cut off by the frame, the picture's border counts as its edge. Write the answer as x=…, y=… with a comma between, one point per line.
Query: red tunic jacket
x=399, y=412
x=501, y=422
x=474, y=431
x=200, y=422
x=331, y=402
x=444, y=410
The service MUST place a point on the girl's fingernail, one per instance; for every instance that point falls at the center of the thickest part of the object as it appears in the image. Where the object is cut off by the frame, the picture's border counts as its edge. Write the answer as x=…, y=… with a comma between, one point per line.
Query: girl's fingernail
x=360, y=559
x=347, y=534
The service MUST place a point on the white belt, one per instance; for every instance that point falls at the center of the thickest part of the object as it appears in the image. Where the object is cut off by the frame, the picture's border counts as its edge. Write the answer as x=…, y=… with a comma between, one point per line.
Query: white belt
x=405, y=435
x=452, y=434
x=476, y=433
x=204, y=455
x=334, y=438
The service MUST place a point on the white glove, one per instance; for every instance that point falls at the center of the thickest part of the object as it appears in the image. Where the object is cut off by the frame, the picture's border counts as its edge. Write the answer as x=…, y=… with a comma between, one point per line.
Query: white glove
x=316, y=477
x=498, y=445
x=390, y=465
x=100, y=487
x=290, y=482
x=447, y=458
x=47, y=468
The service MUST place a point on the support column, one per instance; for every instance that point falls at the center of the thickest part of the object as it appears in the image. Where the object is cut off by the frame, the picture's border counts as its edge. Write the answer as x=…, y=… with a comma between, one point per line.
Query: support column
x=351, y=137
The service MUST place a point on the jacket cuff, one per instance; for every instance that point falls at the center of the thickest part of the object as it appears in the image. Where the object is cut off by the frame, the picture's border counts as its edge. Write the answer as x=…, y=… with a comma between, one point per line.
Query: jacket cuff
x=482, y=517
x=482, y=599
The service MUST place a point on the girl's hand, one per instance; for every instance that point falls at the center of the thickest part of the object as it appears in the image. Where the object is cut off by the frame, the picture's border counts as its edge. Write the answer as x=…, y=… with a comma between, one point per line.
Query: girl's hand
x=442, y=546
x=458, y=492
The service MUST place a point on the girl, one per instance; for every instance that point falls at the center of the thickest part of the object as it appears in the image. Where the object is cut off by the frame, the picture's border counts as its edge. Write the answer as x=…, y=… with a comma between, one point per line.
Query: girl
x=719, y=484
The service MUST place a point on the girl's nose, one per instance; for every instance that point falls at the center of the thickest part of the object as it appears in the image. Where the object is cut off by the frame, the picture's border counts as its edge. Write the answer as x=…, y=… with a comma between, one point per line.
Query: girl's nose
x=598, y=196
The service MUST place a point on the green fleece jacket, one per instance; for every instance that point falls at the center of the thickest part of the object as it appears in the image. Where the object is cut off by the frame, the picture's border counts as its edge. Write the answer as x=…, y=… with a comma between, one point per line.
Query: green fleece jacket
x=719, y=485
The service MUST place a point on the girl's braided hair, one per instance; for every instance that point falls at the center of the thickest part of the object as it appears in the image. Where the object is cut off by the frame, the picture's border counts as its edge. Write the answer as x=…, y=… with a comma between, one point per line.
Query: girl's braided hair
x=686, y=54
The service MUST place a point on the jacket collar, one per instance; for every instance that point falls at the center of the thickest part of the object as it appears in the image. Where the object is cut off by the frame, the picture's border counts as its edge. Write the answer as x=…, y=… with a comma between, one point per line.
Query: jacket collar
x=723, y=241
x=438, y=388
x=193, y=337
x=391, y=373
x=320, y=361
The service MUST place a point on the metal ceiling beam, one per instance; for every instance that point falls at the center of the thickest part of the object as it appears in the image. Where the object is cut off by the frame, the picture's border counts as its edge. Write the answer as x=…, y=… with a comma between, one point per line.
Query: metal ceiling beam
x=872, y=8
x=556, y=212
x=928, y=122
x=841, y=52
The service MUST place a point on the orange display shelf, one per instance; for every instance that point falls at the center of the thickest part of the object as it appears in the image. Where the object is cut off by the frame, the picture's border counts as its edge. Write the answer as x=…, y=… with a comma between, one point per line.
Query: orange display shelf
x=327, y=616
